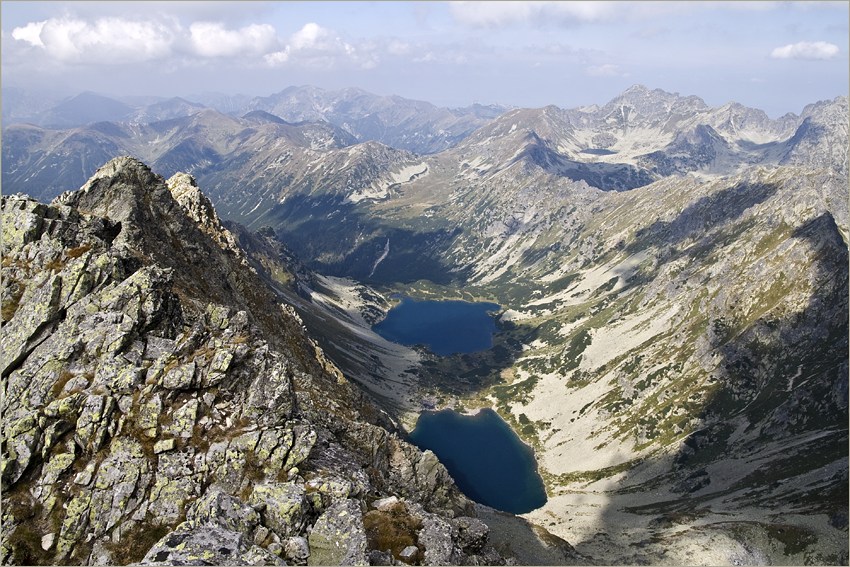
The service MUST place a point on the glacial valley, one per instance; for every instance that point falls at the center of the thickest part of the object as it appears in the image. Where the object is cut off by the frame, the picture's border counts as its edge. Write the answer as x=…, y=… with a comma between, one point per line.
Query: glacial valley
x=671, y=336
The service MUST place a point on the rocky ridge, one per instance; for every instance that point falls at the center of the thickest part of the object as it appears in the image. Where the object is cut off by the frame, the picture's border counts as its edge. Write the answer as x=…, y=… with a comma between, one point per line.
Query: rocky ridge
x=676, y=353
x=675, y=350
x=411, y=125
x=161, y=407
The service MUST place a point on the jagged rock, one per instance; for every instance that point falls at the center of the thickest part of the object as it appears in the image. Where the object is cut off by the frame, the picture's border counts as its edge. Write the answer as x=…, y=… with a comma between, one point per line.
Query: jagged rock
x=153, y=384
x=93, y=425
x=408, y=553
x=270, y=397
x=296, y=550
x=207, y=545
x=286, y=507
x=183, y=420
x=472, y=534
x=438, y=536
x=261, y=534
x=176, y=483
x=74, y=524
x=302, y=444
x=338, y=536
x=271, y=447
x=44, y=488
x=23, y=222
x=181, y=377
x=101, y=554
x=119, y=486
x=24, y=439
x=200, y=209
x=148, y=415
x=219, y=508
x=386, y=504
x=325, y=490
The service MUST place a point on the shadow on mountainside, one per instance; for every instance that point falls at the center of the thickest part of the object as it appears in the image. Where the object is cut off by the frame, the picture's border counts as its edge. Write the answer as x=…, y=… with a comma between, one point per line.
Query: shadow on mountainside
x=772, y=437
x=701, y=216
x=770, y=452
x=436, y=379
x=698, y=232
x=335, y=237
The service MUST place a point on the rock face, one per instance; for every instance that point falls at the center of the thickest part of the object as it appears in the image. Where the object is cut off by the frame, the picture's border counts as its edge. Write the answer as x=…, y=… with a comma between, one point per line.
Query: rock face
x=161, y=406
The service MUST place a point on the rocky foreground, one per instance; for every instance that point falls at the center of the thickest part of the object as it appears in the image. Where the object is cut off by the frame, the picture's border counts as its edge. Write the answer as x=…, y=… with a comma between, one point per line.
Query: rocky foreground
x=160, y=406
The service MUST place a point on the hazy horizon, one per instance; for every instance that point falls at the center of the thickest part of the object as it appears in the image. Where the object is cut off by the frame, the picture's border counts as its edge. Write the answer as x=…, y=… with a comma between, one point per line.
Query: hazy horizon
x=775, y=56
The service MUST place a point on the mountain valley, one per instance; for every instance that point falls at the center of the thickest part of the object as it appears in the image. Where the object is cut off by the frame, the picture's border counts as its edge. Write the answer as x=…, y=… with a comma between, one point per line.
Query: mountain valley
x=673, y=338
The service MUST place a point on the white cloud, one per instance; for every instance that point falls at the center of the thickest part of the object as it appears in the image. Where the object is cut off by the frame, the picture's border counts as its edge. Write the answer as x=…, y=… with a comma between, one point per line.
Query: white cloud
x=116, y=40
x=311, y=36
x=319, y=47
x=277, y=58
x=490, y=14
x=448, y=56
x=495, y=14
x=398, y=47
x=806, y=50
x=30, y=33
x=212, y=39
x=106, y=40
x=606, y=70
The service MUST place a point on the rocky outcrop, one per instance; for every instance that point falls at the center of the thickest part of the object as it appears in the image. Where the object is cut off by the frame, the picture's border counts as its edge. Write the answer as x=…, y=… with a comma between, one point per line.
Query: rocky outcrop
x=161, y=406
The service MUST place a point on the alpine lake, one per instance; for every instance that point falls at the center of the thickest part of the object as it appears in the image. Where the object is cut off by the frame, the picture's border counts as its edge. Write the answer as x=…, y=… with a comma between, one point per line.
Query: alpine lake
x=488, y=461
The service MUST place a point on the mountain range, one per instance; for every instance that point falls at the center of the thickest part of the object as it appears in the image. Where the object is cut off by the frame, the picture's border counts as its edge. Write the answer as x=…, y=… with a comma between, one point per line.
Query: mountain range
x=399, y=122
x=673, y=339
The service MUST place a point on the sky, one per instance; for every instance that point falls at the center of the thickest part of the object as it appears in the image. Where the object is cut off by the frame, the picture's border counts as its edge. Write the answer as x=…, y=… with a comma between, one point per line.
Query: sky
x=777, y=56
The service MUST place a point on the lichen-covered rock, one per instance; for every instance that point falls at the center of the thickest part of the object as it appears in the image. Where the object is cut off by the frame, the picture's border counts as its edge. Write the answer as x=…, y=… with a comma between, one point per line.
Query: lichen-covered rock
x=22, y=223
x=175, y=484
x=438, y=536
x=183, y=420
x=119, y=486
x=338, y=536
x=56, y=466
x=74, y=524
x=325, y=490
x=180, y=377
x=296, y=550
x=285, y=507
x=207, y=545
x=93, y=425
x=163, y=445
x=24, y=439
x=219, y=508
x=162, y=406
x=148, y=415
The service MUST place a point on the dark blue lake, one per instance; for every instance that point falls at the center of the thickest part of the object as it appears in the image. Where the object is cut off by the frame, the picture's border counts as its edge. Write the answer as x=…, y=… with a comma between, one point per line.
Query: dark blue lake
x=445, y=327
x=487, y=460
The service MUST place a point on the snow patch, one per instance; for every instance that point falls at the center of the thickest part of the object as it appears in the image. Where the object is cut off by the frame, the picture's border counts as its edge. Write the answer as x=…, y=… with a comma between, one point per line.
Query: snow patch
x=381, y=258
x=381, y=189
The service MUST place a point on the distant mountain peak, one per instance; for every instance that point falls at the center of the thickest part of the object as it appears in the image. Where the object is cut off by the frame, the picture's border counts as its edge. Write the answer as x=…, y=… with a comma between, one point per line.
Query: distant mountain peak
x=637, y=88
x=263, y=116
